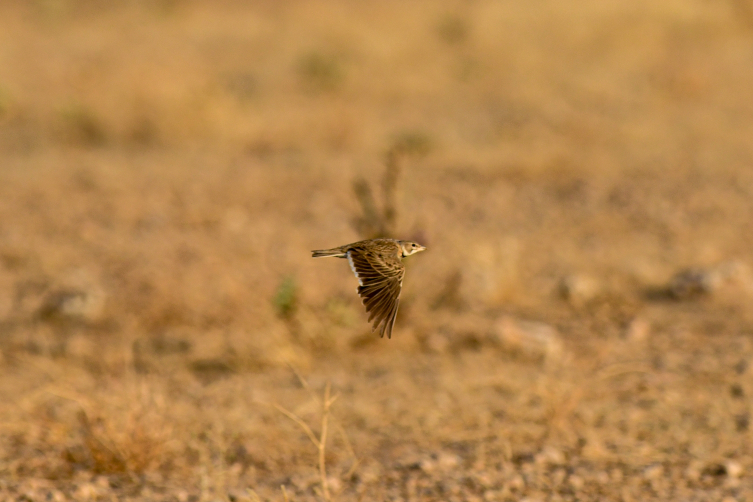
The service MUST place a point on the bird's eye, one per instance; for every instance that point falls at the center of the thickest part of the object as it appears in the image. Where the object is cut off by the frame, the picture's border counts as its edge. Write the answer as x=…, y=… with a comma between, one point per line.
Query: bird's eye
x=412, y=245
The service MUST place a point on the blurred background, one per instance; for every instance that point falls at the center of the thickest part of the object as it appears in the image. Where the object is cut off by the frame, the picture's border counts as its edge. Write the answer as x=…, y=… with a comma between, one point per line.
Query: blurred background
x=578, y=329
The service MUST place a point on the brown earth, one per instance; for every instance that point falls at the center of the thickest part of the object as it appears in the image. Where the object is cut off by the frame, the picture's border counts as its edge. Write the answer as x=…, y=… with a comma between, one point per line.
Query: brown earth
x=579, y=328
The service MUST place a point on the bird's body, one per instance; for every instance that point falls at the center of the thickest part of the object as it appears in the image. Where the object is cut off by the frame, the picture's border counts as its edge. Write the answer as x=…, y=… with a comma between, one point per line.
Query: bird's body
x=378, y=266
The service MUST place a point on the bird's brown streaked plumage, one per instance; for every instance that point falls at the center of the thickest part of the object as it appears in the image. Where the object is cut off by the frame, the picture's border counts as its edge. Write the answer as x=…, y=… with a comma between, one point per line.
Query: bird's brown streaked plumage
x=380, y=271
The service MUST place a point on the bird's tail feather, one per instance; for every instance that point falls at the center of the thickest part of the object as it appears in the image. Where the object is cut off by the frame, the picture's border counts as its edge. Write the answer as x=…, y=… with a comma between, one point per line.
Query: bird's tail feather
x=334, y=252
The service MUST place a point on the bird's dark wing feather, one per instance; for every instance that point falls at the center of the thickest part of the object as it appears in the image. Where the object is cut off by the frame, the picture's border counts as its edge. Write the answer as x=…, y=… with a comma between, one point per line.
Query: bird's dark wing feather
x=380, y=279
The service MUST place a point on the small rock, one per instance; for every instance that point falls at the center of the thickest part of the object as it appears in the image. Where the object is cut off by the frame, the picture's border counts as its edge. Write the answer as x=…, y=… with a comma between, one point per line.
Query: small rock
x=734, y=272
x=638, y=330
x=690, y=283
x=103, y=482
x=653, y=471
x=426, y=465
x=578, y=289
x=447, y=461
x=602, y=477
x=442, y=462
x=484, y=479
x=86, y=491
x=516, y=483
x=532, y=339
x=694, y=282
x=72, y=305
x=305, y=482
x=76, y=297
x=576, y=481
x=693, y=471
x=734, y=469
x=550, y=456
x=56, y=496
x=492, y=495
x=715, y=469
x=334, y=484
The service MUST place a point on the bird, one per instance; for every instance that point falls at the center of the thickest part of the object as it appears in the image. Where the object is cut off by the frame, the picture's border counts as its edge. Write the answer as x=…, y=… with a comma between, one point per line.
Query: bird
x=378, y=266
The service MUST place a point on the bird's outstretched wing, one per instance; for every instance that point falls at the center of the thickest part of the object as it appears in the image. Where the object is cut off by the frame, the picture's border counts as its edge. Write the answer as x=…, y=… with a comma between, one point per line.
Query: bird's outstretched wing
x=380, y=280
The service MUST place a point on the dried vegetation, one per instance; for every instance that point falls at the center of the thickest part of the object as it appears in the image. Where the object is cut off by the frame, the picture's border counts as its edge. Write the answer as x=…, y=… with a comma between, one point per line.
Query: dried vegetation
x=579, y=328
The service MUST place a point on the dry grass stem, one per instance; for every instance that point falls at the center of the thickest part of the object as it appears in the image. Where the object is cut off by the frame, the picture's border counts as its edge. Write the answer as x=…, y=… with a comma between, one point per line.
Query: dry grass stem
x=321, y=441
x=578, y=330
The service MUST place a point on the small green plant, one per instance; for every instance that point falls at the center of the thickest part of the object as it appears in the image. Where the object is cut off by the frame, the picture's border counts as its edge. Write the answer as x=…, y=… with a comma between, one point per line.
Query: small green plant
x=82, y=126
x=320, y=72
x=286, y=298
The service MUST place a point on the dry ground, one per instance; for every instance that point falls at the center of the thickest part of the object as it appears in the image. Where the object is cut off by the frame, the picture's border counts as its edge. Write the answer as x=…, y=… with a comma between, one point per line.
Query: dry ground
x=166, y=166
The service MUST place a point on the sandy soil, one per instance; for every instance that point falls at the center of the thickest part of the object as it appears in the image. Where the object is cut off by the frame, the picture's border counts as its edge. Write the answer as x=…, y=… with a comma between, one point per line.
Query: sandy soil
x=579, y=328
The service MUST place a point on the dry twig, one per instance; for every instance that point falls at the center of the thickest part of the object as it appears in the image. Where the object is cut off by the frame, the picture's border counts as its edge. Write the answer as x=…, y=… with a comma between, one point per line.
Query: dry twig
x=373, y=223
x=321, y=441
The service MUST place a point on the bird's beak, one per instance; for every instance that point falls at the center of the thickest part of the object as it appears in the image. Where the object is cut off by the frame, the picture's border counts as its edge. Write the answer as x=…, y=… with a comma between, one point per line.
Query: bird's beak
x=421, y=248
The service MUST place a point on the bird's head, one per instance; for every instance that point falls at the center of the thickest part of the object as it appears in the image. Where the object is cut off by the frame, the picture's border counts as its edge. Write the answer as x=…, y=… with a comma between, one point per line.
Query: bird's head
x=409, y=248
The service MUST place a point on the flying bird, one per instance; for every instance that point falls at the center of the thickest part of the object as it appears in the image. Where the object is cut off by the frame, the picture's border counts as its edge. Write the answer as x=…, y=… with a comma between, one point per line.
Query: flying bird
x=379, y=269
